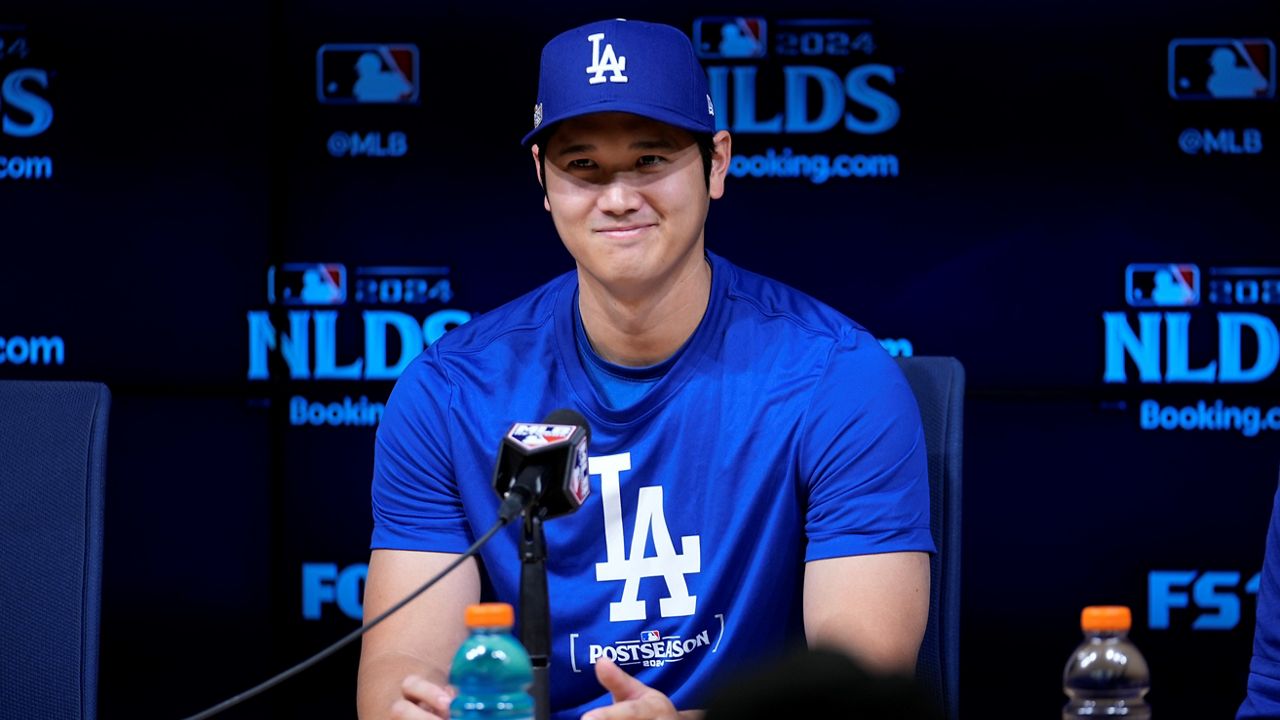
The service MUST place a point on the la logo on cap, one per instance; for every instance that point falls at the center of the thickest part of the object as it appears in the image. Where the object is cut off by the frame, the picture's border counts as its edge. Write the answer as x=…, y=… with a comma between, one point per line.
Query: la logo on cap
x=607, y=61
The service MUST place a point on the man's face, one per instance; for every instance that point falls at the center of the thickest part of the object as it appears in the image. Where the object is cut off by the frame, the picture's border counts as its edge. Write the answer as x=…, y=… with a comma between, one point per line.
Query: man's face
x=629, y=197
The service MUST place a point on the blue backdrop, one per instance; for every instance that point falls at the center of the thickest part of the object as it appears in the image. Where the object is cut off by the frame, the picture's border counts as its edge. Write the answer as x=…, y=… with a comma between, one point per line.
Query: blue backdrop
x=202, y=209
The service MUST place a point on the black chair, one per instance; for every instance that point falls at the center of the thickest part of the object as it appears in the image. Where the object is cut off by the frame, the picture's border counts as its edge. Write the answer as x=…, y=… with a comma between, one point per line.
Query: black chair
x=938, y=384
x=53, y=442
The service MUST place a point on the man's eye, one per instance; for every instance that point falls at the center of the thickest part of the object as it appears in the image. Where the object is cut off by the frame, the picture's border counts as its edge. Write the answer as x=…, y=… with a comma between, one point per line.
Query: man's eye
x=649, y=160
x=581, y=164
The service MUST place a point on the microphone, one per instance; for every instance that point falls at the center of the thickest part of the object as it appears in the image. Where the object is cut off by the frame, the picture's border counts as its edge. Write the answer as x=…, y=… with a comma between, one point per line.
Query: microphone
x=543, y=465
x=542, y=473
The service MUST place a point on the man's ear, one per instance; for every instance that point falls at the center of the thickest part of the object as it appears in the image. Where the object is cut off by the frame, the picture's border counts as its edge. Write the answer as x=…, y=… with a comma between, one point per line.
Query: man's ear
x=534, y=152
x=721, y=154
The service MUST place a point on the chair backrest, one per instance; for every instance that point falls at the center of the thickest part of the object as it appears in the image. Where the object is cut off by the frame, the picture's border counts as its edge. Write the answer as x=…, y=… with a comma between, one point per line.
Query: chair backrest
x=53, y=442
x=938, y=384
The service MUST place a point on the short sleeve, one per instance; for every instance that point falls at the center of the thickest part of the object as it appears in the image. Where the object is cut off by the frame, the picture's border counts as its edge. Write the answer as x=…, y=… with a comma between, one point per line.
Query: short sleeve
x=862, y=457
x=1263, y=699
x=415, y=499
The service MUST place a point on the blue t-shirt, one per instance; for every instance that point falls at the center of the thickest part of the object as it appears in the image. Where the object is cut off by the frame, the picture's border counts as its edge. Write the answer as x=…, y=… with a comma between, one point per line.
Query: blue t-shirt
x=1263, y=699
x=782, y=433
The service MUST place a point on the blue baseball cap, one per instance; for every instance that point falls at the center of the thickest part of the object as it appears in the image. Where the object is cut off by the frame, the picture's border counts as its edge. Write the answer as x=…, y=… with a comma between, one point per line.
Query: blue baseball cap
x=626, y=66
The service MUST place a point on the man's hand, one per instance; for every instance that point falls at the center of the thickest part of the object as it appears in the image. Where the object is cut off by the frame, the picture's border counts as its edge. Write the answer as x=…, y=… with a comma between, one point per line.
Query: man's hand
x=632, y=699
x=421, y=700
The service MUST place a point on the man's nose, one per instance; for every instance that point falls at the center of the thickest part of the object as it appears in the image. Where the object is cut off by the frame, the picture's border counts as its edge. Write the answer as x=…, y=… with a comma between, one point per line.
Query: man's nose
x=618, y=196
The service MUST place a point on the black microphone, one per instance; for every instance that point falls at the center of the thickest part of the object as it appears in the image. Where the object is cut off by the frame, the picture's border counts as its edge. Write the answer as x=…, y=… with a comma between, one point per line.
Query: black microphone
x=542, y=473
x=544, y=465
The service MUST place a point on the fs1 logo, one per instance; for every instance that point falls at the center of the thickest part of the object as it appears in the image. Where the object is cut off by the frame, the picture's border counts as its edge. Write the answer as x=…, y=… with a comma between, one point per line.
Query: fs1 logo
x=1222, y=69
x=354, y=73
x=324, y=584
x=819, y=91
x=1215, y=593
x=1167, y=335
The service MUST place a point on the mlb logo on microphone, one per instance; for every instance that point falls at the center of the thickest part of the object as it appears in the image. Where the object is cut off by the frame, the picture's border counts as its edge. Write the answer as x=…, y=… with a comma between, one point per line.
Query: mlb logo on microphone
x=650, y=636
x=367, y=73
x=535, y=436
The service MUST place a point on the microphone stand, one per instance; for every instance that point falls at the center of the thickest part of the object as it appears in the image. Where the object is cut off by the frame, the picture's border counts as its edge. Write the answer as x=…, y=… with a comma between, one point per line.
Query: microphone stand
x=535, y=613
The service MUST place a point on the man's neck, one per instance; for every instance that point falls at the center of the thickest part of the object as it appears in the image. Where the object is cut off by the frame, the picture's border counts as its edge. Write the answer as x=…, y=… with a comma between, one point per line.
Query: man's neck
x=649, y=327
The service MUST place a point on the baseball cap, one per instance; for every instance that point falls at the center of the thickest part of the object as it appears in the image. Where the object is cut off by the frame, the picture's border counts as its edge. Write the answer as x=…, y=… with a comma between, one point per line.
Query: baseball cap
x=621, y=65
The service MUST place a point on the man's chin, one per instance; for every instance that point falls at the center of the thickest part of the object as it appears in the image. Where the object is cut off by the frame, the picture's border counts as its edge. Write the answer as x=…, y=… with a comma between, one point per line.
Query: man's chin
x=624, y=281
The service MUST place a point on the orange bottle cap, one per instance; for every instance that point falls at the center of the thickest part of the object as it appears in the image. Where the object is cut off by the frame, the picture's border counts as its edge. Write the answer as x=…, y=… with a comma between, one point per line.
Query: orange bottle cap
x=1101, y=618
x=490, y=615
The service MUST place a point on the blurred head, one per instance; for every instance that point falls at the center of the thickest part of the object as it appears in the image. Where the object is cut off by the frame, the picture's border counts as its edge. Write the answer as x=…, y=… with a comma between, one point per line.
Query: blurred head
x=819, y=684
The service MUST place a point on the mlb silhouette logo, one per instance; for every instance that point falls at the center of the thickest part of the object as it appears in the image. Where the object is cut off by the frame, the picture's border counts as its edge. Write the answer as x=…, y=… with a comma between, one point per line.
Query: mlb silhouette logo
x=1162, y=285
x=1222, y=69
x=307, y=284
x=650, y=636
x=719, y=38
x=357, y=73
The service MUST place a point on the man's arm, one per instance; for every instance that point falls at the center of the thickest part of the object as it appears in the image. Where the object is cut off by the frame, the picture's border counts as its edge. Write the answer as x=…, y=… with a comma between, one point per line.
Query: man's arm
x=873, y=607
x=404, y=661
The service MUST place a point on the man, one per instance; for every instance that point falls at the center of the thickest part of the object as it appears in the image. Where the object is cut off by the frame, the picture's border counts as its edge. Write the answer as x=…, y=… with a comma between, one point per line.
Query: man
x=757, y=461
x=1263, y=698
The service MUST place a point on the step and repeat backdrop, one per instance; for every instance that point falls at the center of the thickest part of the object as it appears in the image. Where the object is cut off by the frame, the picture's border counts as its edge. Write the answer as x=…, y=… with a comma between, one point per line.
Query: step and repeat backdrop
x=248, y=218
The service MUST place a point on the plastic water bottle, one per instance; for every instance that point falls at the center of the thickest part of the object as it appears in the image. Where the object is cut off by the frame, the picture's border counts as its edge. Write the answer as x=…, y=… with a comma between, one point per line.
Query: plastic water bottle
x=491, y=671
x=1106, y=675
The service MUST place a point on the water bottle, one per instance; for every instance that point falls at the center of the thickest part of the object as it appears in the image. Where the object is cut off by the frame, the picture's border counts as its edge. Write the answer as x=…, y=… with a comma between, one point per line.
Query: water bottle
x=1106, y=675
x=491, y=671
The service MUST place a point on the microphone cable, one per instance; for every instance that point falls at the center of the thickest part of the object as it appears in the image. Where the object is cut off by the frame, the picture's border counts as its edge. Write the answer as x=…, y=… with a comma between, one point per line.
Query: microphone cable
x=268, y=684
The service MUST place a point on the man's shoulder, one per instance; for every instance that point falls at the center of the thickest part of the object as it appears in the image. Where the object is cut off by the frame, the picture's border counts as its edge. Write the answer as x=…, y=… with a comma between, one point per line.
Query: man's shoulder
x=772, y=299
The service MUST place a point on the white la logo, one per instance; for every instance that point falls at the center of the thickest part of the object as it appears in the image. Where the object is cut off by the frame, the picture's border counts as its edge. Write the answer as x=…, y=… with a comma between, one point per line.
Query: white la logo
x=618, y=565
x=608, y=62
